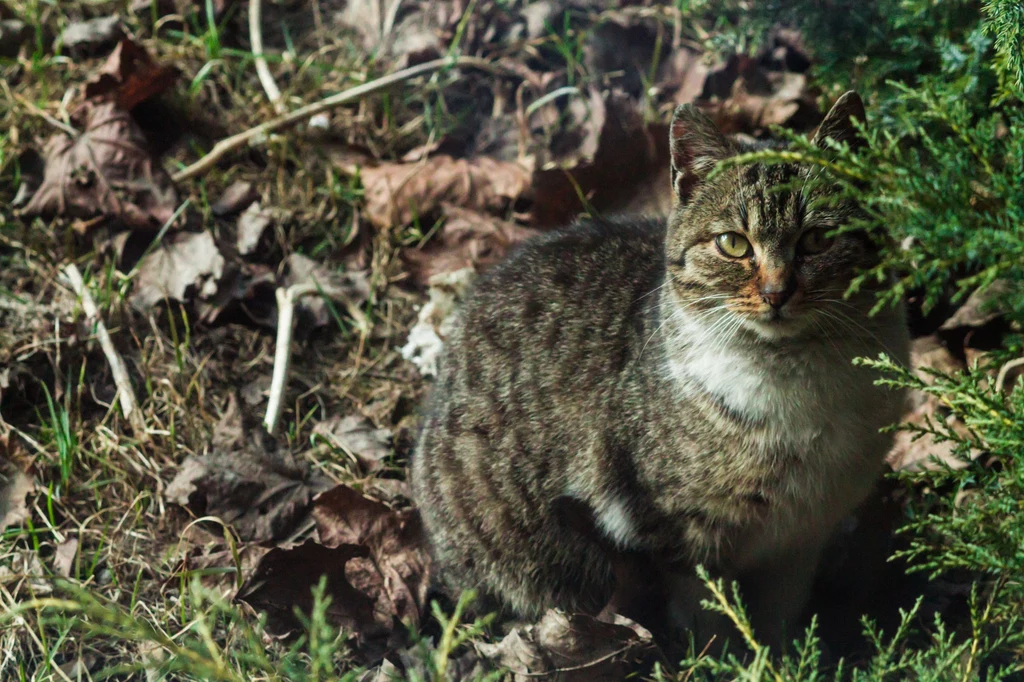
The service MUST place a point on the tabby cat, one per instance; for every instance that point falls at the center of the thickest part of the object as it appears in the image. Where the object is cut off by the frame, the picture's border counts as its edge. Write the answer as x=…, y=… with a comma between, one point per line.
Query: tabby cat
x=660, y=394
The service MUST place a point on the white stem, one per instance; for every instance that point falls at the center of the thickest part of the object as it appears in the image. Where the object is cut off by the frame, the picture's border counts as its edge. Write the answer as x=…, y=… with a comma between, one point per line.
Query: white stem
x=125, y=393
x=286, y=300
x=262, y=70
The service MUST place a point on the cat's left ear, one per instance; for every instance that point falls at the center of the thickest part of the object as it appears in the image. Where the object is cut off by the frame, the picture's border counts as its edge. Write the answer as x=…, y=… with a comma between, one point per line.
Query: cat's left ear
x=839, y=123
x=697, y=145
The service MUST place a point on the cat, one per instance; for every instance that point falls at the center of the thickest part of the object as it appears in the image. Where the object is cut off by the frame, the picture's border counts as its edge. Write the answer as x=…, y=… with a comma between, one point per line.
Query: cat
x=662, y=394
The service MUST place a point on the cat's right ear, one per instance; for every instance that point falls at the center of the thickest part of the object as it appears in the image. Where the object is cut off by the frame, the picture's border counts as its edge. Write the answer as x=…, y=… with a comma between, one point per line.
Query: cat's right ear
x=697, y=145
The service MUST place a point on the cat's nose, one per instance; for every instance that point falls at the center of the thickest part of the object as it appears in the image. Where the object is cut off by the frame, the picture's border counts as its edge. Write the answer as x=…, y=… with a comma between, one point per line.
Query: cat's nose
x=776, y=294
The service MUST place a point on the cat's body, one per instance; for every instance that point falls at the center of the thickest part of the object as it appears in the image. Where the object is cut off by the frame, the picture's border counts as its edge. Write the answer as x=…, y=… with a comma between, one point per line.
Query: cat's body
x=585, y=369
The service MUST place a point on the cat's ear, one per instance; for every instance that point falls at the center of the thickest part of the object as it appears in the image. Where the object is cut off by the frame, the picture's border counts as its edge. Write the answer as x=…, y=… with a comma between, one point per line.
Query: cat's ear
x=839, y=123
x=697, y=145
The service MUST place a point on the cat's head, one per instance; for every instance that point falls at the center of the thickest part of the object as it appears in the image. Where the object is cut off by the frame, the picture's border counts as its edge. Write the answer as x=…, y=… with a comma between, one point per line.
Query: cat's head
x=750, y=248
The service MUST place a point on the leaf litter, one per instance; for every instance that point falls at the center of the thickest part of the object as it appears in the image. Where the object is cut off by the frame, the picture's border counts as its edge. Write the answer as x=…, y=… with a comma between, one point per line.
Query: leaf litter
x=105, y=171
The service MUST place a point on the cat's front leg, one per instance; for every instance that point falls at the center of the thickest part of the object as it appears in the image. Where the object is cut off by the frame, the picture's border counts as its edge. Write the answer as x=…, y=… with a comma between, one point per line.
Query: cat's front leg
x=776, y=591
x=687, y=619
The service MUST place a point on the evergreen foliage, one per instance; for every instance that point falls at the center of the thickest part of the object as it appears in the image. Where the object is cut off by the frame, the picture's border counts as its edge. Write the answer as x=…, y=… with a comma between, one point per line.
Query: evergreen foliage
x=941, y=178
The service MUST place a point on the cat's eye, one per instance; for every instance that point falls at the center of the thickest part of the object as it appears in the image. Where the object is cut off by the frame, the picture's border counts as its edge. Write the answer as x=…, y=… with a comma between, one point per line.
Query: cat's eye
x=815, y=241
x=733, y=245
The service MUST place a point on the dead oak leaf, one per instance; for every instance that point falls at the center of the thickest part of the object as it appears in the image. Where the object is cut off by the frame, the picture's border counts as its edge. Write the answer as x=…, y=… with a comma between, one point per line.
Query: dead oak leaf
x=92, y=34
x=400, y=193
x=15, y=486
x=628, y=153
x=467, y=239
x=351, y=288
x=130, y=76
x=354, y=434
x=396, y=571
x=575, y=647
x=64, y=557
x=185, y=264
x=246, y=480
x=284, y=581
x=235, y=198
x=105, y=171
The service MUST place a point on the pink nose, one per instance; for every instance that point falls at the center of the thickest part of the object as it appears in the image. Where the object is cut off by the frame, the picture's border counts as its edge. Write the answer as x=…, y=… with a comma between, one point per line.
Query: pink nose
x=776, y=295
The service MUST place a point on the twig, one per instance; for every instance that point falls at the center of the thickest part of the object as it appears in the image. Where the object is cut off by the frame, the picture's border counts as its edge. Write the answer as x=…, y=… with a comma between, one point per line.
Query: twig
x=71, y=132
x=262, y=70
x=229, y=144
x=125, y=393
x=1004, y=370
x=287, y=298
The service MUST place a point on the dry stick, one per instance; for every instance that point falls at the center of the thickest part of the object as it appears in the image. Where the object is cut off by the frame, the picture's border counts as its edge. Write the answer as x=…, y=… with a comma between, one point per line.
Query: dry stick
x=1004, y=370
x=125, y=393
x=229, y=144
x=262, y=70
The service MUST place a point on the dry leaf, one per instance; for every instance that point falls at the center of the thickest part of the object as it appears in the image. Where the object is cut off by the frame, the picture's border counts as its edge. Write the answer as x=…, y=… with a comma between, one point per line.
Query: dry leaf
x=355, y=435
x=627, y=155
x=106, y=171
x=15, y=486
x=468, y=239
x=396, y=571
x=246, y=480
x=13, y=34
x=575, y=648
x=64, y=557
x=979, y=308
x=88, y=36
x=251, y=225
x=915, y=451
x=400, y=193
x=437, y=319
x=284, y=581
x=184, y=265
x=375, y=561
x=760, y=98
x=353, y=288
x=130, y=76
x=235, y=198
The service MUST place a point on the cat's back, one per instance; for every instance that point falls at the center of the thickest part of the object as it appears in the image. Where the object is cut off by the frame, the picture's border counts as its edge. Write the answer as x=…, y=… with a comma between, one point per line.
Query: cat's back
x=565, y=304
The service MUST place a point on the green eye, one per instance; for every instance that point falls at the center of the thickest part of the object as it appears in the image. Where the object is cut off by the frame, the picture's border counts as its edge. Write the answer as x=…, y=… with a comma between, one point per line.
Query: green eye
x=815, y=241
x=733, y=245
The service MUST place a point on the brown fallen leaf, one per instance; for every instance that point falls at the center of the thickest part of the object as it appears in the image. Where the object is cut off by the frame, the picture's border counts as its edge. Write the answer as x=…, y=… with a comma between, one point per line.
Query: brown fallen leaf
x=130, y=76
x=400, y=193
x=183, y=266
x=245, y=288
x=573, y=648
x=468, y=239
x=396, y=571
x=104, y=172
x=915, y=451
x=683, y=75
x=284, y=581
x=980, y=307
x=353, y=288
x=80, y=37
x=628, y=154
x=760, y=98
x=13, y=34
x=235, y=198
x=15, y=486
x=64, y=557
x=246, y=480
x=252, y=223
x=354, y=434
